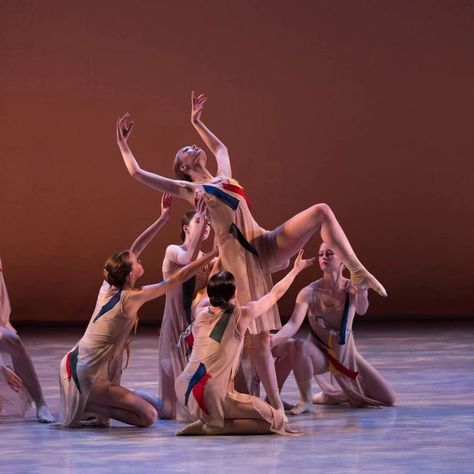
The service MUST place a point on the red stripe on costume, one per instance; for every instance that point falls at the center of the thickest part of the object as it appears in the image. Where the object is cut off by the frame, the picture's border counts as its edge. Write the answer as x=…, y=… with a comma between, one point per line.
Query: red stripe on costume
x=68, y=365
x=237, y=190
x=198, y=392
x=190, y=340
x=341, y=368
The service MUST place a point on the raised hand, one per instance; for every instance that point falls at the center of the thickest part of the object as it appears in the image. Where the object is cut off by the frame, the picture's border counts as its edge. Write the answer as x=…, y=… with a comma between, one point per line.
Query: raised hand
x=166, y=201
x=13, y=380
x=358, y=289
x=123, y=128
x=197, y=106
x=300, y=263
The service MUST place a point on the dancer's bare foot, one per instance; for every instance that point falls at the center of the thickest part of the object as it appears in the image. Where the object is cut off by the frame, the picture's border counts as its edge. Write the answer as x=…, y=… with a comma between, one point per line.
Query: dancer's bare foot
x=322, y=399
x=300, y=408
x=195, y=428
x=360, y=276
x=43, y=415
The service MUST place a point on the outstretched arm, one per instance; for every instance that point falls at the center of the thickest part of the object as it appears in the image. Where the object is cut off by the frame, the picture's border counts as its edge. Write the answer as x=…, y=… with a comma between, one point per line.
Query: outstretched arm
x=218, y=149
x=183, y=257
x=150, y=292
x=256, y=308
x=297, y=318
x=181, y=189
x=147, y=236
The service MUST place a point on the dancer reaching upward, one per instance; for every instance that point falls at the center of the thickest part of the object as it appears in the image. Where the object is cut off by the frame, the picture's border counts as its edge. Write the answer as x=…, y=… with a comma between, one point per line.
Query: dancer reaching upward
x=206, y=385
x=252, y=253
x=330, y=352
x=172, y=352
x=90, y=373
x=19, y=383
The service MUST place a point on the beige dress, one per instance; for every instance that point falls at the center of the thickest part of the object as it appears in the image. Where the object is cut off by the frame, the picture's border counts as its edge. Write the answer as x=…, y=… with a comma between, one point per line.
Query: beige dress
x=330, y=320
x=249, y=253
x=96, y=360
x=206, y=386
x=173, y=351
x=11, y=402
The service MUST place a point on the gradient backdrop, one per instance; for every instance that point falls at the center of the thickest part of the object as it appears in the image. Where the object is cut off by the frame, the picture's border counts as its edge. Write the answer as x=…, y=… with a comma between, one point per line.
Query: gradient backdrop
x=365, y=105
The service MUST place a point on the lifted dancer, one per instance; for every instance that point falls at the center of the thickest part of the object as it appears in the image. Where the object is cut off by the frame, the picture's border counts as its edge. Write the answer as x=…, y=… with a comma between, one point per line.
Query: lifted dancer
x=252, y=253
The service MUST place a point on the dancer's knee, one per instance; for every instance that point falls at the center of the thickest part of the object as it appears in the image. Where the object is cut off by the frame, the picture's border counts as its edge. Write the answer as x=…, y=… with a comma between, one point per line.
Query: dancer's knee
x=322, y=210
x=298, y=349
x=149, y=416
x=13, y=343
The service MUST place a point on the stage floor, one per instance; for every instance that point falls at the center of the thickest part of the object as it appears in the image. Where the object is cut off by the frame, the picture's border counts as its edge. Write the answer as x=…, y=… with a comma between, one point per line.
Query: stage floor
x=431, y=430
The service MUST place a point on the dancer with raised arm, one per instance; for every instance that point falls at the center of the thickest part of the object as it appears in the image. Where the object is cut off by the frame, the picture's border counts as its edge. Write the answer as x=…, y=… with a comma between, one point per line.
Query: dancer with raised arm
x=330, y=352
x=90, y=373
x=252, y=253
x=19, y=382
x=206, y=386
x=173, y=351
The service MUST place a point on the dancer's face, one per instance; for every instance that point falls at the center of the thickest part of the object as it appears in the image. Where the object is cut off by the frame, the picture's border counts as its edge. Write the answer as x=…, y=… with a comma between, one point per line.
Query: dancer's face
x=328, y=260
x=191, y=229
x=137, y=267
x=190, y=158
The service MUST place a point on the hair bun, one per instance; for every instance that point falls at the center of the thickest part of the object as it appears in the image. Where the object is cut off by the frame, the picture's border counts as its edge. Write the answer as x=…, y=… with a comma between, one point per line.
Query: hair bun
x=218, y=301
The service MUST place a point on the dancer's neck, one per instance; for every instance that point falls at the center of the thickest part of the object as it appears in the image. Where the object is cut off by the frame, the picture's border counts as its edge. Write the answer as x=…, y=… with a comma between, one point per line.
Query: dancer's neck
x=333, y=280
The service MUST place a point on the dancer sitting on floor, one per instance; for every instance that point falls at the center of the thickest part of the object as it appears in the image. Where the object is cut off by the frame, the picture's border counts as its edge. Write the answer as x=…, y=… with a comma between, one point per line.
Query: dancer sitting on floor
x=252, y=253
x=90, y=373
x=206, y=386
x=330, y=352
x=173, y=351
x=19, y=384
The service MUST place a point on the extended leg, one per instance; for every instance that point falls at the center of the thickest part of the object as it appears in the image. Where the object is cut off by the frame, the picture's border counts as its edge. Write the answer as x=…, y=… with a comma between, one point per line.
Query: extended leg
x=295, y=233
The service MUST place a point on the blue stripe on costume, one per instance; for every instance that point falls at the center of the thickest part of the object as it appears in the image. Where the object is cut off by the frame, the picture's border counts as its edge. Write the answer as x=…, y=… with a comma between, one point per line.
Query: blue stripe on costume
x=198, y=375
x=345, y=316
x=109, y=305
x=231, y=201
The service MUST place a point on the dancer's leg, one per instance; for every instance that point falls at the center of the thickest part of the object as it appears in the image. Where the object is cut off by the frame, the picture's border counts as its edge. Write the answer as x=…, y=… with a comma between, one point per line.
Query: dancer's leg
x=168, y=401
x=295, y=233
x=282, y=354
x=307, y=360
x=375, y=385
x=23, y=366
x=119, y=403
x=241, y=426
x=266, y=368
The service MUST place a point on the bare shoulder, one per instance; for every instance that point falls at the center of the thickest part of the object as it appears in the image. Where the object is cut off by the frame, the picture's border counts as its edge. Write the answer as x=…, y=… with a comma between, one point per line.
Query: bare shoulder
x=306, y=294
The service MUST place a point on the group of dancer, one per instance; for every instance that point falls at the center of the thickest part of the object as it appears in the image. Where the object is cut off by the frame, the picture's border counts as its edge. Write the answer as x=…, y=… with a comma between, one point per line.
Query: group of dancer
x=220, y=313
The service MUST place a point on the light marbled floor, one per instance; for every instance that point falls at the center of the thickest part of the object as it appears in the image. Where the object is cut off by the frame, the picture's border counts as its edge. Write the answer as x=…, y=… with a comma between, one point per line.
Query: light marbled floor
x=431, y=430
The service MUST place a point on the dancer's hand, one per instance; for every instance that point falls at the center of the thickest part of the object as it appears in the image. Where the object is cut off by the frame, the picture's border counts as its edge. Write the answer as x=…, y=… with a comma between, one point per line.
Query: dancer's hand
x=358, y=289
x=300, y=263
x=13, y=380
x=201, y=209
x=166, y=201
x=123, y=129
x=197, y=106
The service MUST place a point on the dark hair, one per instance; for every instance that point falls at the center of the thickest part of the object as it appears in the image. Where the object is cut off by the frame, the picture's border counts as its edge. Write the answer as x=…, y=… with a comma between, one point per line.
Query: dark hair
x=177, y=172
x=221, y=288
x=185, y=220
x=117, y=268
